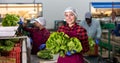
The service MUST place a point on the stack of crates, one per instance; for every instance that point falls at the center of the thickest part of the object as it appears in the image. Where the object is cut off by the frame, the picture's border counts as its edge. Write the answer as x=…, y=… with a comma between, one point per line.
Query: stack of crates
x=93, y=51
x=16, y=52
x=14, y=55
x=7, y=60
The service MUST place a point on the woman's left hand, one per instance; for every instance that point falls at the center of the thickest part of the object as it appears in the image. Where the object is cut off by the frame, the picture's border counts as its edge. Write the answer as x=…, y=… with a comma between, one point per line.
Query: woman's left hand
x=42, y=46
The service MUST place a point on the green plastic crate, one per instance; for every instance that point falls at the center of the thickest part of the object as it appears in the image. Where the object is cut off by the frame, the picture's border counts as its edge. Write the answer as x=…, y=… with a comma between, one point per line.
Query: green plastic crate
x=107, y=25
x=105, y=45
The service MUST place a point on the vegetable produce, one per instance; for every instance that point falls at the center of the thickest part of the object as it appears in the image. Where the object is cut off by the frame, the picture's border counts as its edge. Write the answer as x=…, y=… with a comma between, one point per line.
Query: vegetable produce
x=6, y=48
x=91, y=42
x=45, y=54
x=14, y=40
x=58, y=42
x=7, y=45
x=10, y=20
x=76, y=45
x=91, y=46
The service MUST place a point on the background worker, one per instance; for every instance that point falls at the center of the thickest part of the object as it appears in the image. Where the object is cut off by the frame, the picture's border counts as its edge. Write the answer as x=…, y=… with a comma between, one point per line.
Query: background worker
x=94, y=31
x=39, y=34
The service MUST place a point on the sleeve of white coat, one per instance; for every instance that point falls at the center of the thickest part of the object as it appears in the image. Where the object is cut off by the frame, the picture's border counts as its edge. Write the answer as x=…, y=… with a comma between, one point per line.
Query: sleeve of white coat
x=99, y=31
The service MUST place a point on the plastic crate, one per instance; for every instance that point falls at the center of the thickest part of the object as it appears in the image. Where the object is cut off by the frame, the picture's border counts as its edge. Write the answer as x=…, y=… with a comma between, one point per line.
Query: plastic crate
x=18, y=44
x=4, y=53
x=7, y=60
x=7, y=53
x=93, y=51
x=107, y=25
x=14, y=55
x=105, y=45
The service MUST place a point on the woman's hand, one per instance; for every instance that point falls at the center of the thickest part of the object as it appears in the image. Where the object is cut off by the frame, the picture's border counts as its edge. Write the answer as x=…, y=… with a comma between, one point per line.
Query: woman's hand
x=42, y=46
x=69, y=53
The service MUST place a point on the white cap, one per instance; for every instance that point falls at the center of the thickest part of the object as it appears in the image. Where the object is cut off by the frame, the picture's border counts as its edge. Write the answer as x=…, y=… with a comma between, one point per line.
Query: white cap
x=88, y=15
x=70, y=9
x=40, y=20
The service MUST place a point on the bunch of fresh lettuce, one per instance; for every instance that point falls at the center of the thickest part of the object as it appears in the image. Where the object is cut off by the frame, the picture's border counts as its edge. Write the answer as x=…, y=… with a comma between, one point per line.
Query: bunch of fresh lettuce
x=10, y=20
x=45, y=54
x=61, y=43
x=91, y=42
x=6, y=45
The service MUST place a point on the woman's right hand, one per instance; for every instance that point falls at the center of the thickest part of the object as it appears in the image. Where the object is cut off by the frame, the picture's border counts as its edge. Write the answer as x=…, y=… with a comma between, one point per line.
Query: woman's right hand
x=69, y=53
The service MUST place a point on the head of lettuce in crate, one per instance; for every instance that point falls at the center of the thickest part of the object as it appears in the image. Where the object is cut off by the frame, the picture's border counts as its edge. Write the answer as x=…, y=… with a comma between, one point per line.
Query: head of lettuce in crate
x=39, y=34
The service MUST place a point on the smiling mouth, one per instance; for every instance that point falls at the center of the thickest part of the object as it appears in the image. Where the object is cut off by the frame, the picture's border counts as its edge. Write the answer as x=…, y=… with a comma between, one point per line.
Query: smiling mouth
x=69, y=20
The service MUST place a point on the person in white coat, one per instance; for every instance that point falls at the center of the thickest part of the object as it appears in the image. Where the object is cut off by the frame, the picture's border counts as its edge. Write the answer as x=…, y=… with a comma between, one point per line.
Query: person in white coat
x=92, y=26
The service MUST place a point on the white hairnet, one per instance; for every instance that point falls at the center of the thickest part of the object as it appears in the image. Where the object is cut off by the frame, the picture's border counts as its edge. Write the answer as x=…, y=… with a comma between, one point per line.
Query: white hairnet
x=40, y=20
x=88, y=15
x=70, y=9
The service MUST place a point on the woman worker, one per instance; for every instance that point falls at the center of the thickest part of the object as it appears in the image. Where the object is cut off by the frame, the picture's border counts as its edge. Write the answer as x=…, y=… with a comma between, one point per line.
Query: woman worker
x=72, y=29
x=39, y=34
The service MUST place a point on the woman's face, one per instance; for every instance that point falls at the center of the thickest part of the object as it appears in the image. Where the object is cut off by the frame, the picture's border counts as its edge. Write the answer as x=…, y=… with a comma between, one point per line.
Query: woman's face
x=70, y=17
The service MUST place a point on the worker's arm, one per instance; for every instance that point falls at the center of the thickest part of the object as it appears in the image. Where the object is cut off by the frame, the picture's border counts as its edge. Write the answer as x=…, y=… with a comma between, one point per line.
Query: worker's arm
x=24, y=26
x=28, y=29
